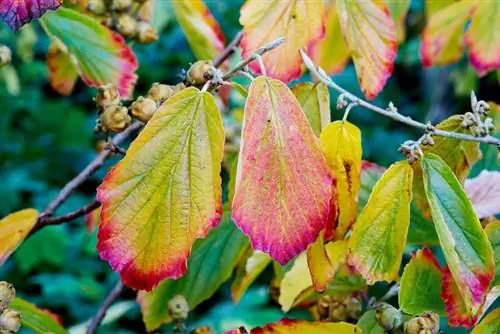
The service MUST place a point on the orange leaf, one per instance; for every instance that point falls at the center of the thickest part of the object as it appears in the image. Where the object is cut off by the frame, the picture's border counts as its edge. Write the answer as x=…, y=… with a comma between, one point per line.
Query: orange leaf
x=62, y=72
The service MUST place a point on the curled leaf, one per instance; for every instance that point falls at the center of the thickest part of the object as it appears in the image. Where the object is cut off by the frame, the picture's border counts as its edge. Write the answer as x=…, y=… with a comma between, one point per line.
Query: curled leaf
x=320, y=267
x=13, y=229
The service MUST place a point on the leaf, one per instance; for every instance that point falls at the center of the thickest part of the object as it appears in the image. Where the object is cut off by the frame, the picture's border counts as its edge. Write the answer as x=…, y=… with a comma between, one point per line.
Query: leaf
x=36, y=319
x=210, y=264
x=201, y=29
x=341, y=145
x=398, y=10
x=493, y=232
x=165, y=193
x=484, y=193
x=103, y=56
x=62, y=72
x=456, y=308
x=490, y=324
x=13, y=229
x=331, y=52
x=299, y=22
x=320, y=267
x=371, y=37
x=379, y=236
x=368, y=323
x=247, y=273
x=287, y=326
x=92, y=220
x=432, y=6
x=298, y=278
x=420, y=286
x=283, y=185
x=314, y=99
x=464, y=243
x=17, y=13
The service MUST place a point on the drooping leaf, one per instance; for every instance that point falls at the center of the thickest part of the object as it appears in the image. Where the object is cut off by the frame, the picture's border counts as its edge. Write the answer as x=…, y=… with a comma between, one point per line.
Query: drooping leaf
x=420, y=286
x=36, y=319
x=287, y=326
x=493, y=233
x=165, y=193
x=368, y=323
x=103, y=56
x=341, y=145
x=201, y=29
x=484, y=193
x=371, y=37
x=314, y=99
x=300, y=22
x=320, y=267
x=17, y=13
x=283, y=185
x=247, y=272
x=62, y=72
x=331, y=52
x=464, y=243
x=13, y=229
x=398, y=10
x=379, y=236
x=210, y=264
x=490, y=324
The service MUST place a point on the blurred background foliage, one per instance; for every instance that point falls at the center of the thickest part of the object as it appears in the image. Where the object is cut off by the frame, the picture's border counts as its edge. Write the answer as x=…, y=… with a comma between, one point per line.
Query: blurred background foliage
x=46, y=139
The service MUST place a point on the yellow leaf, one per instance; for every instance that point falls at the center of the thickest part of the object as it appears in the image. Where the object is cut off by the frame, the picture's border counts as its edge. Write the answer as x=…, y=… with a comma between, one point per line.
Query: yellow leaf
x=13, y=229
x=399, y=9
x=248, y=272
x=490, y=324
x=288, y=326
x=320, y=267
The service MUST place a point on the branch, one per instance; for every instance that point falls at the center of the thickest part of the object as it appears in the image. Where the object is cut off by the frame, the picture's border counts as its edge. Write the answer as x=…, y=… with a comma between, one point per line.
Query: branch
x=324, y=78
x=96, y=321
x=229, y=50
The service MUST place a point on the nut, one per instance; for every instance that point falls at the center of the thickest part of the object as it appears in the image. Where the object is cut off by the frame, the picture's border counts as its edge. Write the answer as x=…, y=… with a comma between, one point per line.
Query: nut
x=160, y=93
x=143, y=109
x=200, y=72
x=7, y=294
x=127, y=26
x=10, y=320
x=107, y=95
x=178, y=308
x=388, y=317
x=426, y=323
x=97, y=7
x=146, y=33
x=115, y=119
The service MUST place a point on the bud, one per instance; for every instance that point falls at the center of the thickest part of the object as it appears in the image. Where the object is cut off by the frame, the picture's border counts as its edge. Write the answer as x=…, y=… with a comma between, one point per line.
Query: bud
x=202, y=330
x=200, y=72
x=428, y=140
x=97, y=7
x=115, y=119
x=388, y=317
x=10, y=321
x=146, y=33
x=427, y=323
x=160, y=93
x=7, y=294
x=488, y=123
x=121, y=5
x=178, y=308
x=107, y=95
x=143, y=109
x=473, y=100
x=5, y=55
x=127, y=25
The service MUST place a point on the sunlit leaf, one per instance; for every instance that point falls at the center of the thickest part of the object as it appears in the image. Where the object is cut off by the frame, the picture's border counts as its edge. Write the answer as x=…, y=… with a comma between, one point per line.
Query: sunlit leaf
x=201, y=29
x=283, y=185
x=300, y=22
x=210, y=264
x=320, y=267
x=420, y=286
x=103, y=56
x=341, y=144
x=165, y=193
x=36, y=319
x=484, y=193
x=314, y=99
x=62, y=72
x=493, y=233
x=331, y=52
x=379, y=236
x=464, y=243
x=371, y=37
x=13, y=229
x=17, y=13
x=287, y=326
x=398, y=10
x=247, y=272
x=490, y=324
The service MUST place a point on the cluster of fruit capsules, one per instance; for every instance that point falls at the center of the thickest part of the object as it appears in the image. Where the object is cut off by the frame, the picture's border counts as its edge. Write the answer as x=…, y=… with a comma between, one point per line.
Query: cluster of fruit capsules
x=123, y=16
x=334, y=309
x=10, y=320
x=392, y=320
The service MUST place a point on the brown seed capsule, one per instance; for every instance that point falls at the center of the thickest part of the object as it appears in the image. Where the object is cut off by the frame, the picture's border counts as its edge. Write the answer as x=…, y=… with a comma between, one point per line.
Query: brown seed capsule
x=426, y=323
x=160, y=93
x=7, y=294
x=127, y=26
x=200, y=72
x=177, y=88
x=178, y=308
x=388, y=317
x=115, y=119
x=121, y=5
x=5, y=55
x=143, y=109
x=107, y=95
x=202, y=330
x=146, y=34
x=338, y=312
x=353, y=307
x=10, y=320
x=97, y=7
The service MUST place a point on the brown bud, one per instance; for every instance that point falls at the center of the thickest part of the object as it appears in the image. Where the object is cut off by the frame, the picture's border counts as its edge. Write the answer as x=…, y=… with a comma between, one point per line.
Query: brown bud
x=121, y=5
x=146, y=33
x=388, y=317
x=10, y=320
x=427, y=323
x=178, y=308
x=7, y=294
x=97, y=7
x=127, y=25
x=107, y=95
x=115, y=119
x=200, y=72
x=5, y=55
x=202, y=330
x=160, y=93
x=143, y=109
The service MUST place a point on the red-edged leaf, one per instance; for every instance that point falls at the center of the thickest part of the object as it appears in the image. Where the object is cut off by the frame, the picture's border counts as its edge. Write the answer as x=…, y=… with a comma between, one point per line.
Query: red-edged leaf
x=288, y=326
x=300, y=22
x=283, y=185
x=62, y=72
x=458, y=314
x=17, y=13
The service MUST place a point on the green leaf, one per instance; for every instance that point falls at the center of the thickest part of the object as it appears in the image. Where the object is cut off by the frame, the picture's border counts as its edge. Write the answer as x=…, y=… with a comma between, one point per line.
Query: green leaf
x=368, y=323
x=490, y=324
x=210, y=264
x=314, y=99
x=38, y=320
x=493, y=233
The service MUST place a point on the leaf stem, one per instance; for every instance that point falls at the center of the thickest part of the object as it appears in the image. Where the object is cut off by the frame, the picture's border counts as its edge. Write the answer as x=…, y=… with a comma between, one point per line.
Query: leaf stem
x=229, y=50
x=96, y=321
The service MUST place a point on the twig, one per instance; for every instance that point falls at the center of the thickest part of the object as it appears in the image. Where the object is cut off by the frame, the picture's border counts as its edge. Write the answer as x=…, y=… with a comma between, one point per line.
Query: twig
x=96, y=321
x=229, y=50
x=324, y=78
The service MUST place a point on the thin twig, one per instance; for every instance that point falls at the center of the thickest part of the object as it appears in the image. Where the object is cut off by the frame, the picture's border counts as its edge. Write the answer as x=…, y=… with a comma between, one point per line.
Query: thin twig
x=324, y=78
x=229, y=50
x=96, y=321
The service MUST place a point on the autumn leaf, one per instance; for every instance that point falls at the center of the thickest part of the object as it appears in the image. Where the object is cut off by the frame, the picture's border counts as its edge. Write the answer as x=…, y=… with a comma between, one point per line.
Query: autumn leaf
x=493, y=232
x=484, y=193
x=433, y=6
x=398, y=10
x=341, y=145
x=201, y=29
x=379, y=236
x=14, y=228
x=165, y=193
x=314, y=99
x=464, y=243
x=92, y=220
x=62, y=71
x=17, y=13
x=320, y=267
x=287, y=326
x=37, y=319
x=102, y=55
x=300, y=22
x=490, y=324
x=456, y=308
x=371, y=37
x=283, y=185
